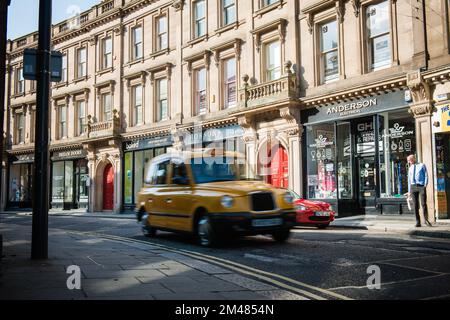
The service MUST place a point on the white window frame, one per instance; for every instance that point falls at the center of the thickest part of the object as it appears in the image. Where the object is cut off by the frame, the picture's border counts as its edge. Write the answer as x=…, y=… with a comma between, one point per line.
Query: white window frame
x=63, y=123
x=138, y=109
x=198, y=91
x=159, y=99
x=266, y=56
x=161, y=34
x=107, y=56
x=81, y=119
x=226, y=83
x=323, y=53
x=370, y=38
x=197, y=21
x=137, y=53
x=224, y=10
x=81, y=65
x=20, y=128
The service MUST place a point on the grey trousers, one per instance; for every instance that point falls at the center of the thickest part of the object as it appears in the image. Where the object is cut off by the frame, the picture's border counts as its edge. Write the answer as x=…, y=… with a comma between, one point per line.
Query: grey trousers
x=419, y=194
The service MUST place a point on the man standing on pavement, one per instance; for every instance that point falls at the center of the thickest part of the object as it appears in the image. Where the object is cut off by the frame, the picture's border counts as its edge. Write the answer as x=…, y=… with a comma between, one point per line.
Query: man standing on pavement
x=417, y=188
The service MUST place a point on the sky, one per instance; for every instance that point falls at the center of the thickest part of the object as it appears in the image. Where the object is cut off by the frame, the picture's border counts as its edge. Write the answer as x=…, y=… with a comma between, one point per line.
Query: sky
x=23, y=14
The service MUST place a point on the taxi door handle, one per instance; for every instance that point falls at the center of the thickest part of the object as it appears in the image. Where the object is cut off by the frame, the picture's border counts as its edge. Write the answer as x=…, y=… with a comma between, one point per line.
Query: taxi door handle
x=168, y=201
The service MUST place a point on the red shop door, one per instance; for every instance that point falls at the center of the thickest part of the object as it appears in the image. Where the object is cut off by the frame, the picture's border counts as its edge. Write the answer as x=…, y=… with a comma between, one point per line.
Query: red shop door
x=280, y=169
x=108, y=188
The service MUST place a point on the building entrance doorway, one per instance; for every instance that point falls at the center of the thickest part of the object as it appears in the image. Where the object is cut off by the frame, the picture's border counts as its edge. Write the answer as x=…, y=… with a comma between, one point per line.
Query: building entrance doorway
x=108, y=188
x=443, y=175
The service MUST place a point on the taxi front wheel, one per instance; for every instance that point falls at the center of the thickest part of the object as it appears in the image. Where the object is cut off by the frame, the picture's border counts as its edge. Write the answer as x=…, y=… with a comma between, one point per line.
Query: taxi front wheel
x=281, y=235
x=207, y=237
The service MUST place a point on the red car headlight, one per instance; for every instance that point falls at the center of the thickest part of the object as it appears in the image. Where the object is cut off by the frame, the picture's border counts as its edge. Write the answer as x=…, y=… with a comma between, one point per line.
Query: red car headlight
x=300, y=207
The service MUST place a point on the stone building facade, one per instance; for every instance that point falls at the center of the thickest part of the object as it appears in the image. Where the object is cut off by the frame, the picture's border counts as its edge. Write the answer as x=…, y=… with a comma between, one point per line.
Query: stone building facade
x=303, y=88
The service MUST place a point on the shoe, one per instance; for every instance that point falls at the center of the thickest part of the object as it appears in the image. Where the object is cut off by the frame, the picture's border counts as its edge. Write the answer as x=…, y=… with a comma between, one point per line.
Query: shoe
x=418, y=225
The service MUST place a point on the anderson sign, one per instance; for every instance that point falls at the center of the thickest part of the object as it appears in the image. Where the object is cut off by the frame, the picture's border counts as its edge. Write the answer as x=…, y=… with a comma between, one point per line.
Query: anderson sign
x=352, y=108
x=344, y=110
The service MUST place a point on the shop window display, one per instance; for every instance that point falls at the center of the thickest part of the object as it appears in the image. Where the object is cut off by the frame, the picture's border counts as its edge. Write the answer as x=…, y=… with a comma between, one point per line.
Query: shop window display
x=20, y=186
x=136, y=165
x=344, y=161
x=321, y=151
x=397, y=135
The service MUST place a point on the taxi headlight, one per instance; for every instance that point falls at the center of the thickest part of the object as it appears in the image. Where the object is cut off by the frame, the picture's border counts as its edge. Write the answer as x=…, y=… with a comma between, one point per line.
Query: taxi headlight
x=227, y=202
x=288, y=198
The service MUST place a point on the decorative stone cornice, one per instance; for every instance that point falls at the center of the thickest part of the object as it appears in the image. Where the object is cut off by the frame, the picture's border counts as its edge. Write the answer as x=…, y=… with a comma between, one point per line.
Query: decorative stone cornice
x=178, y=4
x=421, y=91
x=205, y=55
x=166, y=67
x=350, y=94
x=279, y=25
x=245, y=121
x=290, y=114
x=423, y=109
x=356, y=7
x=235, y=43
x=340, y=10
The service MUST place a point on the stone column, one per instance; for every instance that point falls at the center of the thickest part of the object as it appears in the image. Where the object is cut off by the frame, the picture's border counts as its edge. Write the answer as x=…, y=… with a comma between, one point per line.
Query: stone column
x=91, y=167
x=295, y=159
x=422, y=109
x=294, y=133
x=251, y=148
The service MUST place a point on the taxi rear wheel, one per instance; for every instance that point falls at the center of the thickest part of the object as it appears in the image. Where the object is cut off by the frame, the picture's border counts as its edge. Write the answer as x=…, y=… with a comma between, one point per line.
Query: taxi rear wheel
x=207, y=237
x=281, y=235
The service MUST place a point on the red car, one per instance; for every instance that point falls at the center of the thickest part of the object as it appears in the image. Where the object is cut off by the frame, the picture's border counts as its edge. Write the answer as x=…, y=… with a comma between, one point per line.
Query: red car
x=313, y=213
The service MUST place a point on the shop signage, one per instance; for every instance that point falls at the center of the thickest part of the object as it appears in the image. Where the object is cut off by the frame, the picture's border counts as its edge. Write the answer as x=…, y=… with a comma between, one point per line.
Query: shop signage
x=214, y=134
x=148, y=143
x=70, y=154
x=352, y=108
x=23, y=158
x=445, y=114
x=339, y=111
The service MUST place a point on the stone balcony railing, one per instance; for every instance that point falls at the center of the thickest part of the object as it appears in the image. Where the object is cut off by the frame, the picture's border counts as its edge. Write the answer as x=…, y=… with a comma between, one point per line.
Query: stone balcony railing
x=105, y=128
x=273, y=92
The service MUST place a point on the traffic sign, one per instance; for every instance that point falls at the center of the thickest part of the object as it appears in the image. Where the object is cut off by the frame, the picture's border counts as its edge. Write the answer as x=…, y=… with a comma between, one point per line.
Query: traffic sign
x=30, y=65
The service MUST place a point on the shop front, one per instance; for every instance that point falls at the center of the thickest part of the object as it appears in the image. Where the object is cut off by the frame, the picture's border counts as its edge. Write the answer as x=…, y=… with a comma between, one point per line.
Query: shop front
x=20, y=181
x=70, y=180
x=356, y=154
x=442, y=145
x=137, y=157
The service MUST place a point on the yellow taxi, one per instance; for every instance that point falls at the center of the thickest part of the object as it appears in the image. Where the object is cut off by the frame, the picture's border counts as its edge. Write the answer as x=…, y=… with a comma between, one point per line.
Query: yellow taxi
x=206, y=193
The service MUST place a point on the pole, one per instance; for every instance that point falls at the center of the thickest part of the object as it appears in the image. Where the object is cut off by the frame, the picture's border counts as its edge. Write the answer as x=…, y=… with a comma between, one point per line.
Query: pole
x=39, y=245
x=3, y=36
x=425, y=36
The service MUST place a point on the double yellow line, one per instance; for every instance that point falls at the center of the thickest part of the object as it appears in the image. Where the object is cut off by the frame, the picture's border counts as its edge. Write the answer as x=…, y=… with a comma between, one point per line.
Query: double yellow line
x=268, y=277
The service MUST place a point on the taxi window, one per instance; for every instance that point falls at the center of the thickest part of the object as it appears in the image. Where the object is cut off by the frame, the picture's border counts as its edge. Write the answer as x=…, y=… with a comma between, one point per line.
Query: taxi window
x=179, y=172
x=158, y=173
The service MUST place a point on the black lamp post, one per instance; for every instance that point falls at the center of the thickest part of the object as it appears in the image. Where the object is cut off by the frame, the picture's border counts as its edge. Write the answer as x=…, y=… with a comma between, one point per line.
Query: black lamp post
x=39, y=245
x=3, y=36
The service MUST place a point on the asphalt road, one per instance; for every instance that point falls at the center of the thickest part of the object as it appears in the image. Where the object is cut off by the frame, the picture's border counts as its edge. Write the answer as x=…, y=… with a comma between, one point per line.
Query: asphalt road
x=335, y=260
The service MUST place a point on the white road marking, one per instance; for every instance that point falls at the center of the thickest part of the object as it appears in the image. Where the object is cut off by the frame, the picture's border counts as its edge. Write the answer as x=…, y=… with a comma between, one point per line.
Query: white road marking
x=260, y=258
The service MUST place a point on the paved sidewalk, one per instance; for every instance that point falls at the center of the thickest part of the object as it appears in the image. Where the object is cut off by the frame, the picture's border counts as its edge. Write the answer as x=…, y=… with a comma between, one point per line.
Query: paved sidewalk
x=116, y=270
x=79, y=213
x=394, y=224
